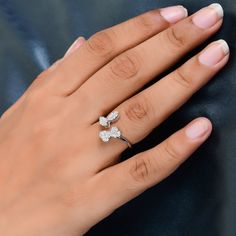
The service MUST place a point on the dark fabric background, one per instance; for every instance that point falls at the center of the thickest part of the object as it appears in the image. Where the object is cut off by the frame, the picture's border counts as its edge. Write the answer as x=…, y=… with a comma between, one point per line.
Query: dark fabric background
x=200, y=198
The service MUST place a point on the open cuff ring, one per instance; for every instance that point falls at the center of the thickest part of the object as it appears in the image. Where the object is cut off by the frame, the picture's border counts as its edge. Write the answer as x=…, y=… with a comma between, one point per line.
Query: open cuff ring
x=114, y=132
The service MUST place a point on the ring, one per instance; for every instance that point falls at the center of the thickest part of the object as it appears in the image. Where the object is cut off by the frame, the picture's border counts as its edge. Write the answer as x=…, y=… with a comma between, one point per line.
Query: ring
x=114, y=132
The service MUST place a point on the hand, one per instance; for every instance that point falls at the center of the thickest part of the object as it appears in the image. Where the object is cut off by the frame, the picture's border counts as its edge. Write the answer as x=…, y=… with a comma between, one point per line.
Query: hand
x=57, y=177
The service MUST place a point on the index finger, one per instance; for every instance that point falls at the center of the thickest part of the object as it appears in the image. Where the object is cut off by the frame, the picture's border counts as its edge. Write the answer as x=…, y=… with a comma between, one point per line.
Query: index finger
x=106, y=44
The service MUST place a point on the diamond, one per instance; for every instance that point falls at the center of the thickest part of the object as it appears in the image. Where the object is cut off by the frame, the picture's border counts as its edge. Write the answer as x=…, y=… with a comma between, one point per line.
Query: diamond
x=103, y=121
x=115, y=132
x=113, y=116
x=104, y=135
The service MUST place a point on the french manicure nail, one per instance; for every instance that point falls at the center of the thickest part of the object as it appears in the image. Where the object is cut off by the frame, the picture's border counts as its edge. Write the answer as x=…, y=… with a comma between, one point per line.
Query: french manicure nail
x=78, y=42
x=208, y=16
x=214, y=53
x=174, y=14
x=198, y=128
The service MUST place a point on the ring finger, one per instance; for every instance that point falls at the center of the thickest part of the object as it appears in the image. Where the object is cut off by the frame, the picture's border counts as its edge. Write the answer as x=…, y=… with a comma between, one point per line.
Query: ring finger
x=143, y=112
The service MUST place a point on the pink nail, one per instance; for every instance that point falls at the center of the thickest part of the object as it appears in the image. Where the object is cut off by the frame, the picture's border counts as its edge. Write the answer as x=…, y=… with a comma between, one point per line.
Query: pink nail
x=198, y=128
x=214, y=53
x=208, y=16
x=75, y=45
x=174, y=14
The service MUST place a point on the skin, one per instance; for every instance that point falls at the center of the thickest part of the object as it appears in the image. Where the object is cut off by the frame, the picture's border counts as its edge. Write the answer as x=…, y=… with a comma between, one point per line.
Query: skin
x=57, y=176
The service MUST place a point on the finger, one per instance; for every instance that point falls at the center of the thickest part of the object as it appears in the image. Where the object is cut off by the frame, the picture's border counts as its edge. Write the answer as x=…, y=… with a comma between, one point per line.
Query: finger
x=120, y=183
x=105, y=45
x=75, y=46
x=143, y=112
x=44, y=75
x=78, y=42
x=140, y=114
x=131, y=70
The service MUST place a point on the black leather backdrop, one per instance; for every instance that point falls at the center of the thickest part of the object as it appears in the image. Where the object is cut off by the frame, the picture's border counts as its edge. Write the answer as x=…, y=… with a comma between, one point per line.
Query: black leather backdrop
x=200, y=198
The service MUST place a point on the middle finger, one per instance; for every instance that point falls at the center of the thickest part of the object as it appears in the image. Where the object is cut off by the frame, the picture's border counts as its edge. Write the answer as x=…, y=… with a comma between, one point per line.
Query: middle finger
x=132, y=69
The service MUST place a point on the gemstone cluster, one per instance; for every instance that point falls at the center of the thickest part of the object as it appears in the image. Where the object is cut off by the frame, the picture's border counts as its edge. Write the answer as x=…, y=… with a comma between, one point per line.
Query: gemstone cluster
x=114, y=132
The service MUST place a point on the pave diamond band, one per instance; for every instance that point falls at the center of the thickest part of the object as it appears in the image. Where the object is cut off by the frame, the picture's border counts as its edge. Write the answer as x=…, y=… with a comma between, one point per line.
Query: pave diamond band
x=114, y=132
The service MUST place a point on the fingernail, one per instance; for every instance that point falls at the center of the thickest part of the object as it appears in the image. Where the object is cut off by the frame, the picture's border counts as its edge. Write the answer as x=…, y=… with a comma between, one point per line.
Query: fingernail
x=208, y=16
x=198, y=128
x=214, y=53
x=78, y=42
x=174, y=14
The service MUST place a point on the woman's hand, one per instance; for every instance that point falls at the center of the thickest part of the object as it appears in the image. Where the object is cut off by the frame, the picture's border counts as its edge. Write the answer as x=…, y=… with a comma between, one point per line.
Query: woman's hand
x=57, y=177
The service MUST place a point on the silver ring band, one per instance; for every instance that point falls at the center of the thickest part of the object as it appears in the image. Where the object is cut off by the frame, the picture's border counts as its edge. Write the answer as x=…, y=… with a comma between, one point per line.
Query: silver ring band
x=126, y=140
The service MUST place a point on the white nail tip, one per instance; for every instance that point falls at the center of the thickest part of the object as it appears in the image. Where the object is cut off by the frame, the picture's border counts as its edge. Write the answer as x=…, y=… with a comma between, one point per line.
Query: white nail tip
x=218, y=8
x=185, y=11
x=224, y=45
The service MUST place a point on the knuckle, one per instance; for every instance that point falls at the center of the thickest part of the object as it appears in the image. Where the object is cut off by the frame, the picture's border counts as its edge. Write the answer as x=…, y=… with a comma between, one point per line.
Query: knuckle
x=145, y=23
x=101, y=43
x=175, y=38
x=182, y=79
x=141, y=169
x=125, y=65
x=138, y=110
x=171, y=152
